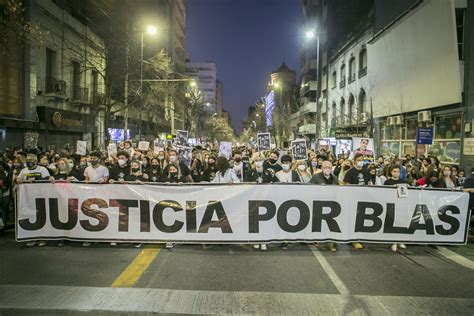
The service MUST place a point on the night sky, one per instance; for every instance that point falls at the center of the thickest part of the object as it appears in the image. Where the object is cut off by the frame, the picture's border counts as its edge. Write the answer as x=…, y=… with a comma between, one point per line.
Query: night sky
x=247, y=39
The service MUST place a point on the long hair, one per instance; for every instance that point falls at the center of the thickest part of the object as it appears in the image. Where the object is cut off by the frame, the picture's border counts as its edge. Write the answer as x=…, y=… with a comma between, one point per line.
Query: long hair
x=222, y=164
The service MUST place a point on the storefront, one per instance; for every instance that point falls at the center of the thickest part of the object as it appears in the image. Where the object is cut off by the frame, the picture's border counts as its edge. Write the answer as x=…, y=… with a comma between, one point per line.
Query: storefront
x=400, y=140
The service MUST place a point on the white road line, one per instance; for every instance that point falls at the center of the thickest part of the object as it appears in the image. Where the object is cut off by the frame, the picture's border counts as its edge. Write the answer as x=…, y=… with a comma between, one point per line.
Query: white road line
x=451, y=255
x=341, y=287
x=144, y=300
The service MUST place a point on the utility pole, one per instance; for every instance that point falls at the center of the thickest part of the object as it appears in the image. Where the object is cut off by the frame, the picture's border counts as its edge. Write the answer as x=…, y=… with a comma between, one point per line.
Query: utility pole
x=125, y=102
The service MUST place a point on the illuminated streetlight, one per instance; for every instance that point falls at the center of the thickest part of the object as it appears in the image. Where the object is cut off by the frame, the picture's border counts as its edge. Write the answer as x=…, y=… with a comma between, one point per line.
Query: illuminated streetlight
x=276, y=85
x=151, y=29
x=257, y=115
x=310, y=34
x=193, y=83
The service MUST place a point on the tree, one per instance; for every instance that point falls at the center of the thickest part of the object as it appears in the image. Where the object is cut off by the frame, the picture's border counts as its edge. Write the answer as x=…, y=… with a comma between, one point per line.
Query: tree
x=14, y=27
x=218, y=128
x=193, y=111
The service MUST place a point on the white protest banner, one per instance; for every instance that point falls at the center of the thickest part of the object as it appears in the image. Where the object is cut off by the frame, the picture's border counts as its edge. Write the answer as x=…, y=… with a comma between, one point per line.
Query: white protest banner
x=225, y=149
x=299, y=149
x=143, y=145
x=81, y=147
x=245, y=213
x=364, y=146
x=112, y=150
x=263, y=141
x=182, y=138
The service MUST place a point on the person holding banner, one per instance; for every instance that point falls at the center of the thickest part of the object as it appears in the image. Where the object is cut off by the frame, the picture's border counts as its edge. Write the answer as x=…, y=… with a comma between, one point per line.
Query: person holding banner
x=63, y=171
x=162, y=159
x=32, y=171
x=287, y=175
x=154, y=173
x=179, y=172
x=225, y=174
x=210, y=170
x=271, y=164
x=302, y=171
x=325, y=177
x=136, y=173
x=241, y=168
x=196, y=165
x=96, y=172
x=258, y=173
x=119, y=171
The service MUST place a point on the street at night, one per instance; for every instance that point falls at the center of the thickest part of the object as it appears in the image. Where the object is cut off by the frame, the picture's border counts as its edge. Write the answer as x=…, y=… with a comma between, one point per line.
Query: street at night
x=277, y=157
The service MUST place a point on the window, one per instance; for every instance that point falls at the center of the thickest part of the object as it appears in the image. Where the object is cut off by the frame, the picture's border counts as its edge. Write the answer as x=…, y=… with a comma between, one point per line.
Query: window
x=343, y=76
x=95, y=83
x=334, y=114
x=363, y=62
x=352, y=69
x=76, y=80
x=448, y=126
x=334, y=79
x=361, y=102
x=460, y=32
x=50, y=70
x=351, y=107
x=341, y=110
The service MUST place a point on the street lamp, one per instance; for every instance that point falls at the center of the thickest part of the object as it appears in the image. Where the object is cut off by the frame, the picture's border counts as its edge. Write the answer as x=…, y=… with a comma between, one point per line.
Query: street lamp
x=310, y=34
x=150, y=30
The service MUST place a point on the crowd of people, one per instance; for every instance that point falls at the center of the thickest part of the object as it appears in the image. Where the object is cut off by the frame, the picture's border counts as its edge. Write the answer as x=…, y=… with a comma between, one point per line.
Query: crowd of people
x=246, y=164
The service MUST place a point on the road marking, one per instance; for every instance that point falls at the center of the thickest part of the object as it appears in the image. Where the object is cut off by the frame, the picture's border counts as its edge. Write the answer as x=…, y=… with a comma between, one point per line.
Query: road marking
x=340, y=286
x=463, y=261
x=135, y=269
x=41, y=299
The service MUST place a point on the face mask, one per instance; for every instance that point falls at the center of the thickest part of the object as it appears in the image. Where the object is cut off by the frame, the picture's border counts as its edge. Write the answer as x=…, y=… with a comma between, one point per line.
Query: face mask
x=173, y=159
x=135, y=169
x=314, y=164
x=83, y=163
x=62, y=167
x=360, y=164
x=161, y=157
x=30, y=164
x=211, y=163
x=71, y=163
x=94, y=162
x=122, y=162
x=238, y=159
x=447, y=173
x=285, y=167
x=302, y=167
x=155, y=166
x=272, y=161
x=259, y=164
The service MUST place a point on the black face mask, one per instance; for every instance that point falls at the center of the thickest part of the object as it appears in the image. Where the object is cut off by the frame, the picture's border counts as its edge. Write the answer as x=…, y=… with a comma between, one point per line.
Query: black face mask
x=30, y=164
x=94, y=162
x=135, y=169
x=272, y=161
x=155, y=166
x=238, y=159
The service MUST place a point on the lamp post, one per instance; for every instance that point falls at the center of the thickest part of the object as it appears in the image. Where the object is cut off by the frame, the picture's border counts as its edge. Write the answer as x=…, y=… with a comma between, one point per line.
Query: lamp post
x=150, y=30
x=310, y=35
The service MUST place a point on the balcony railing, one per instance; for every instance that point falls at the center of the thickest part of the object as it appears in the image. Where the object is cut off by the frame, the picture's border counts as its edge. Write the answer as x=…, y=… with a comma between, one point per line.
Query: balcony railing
x=362, y=72
x=80, y=94
x=55, y=86
x=342, y=83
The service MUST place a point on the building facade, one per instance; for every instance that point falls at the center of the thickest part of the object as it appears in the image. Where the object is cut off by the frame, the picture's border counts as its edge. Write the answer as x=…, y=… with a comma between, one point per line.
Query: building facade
x=61, y=85
x=205, y=76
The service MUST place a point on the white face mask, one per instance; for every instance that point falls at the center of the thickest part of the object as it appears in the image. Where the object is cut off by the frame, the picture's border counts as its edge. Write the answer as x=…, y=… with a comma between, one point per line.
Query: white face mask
x=285, y=167
x=173, y=159
x=122, y=162
x=302, y=167
x=259, y=164
x=161, y=157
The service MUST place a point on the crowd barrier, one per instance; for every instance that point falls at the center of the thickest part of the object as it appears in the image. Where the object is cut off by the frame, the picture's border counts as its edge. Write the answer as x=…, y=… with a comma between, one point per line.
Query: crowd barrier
x=239, y=213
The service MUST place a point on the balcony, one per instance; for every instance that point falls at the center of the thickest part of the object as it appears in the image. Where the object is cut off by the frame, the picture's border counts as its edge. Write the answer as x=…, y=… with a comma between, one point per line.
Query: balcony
x=80, y=95
x=307, y=129
x=309, y=86
x=55, y=87
x=342, y=83
x=362, y=72
x=352, y=77
x=309, y=107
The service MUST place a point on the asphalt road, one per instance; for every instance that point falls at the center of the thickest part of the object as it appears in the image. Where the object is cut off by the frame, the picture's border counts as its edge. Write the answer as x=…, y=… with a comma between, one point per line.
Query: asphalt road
x=305, y=279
